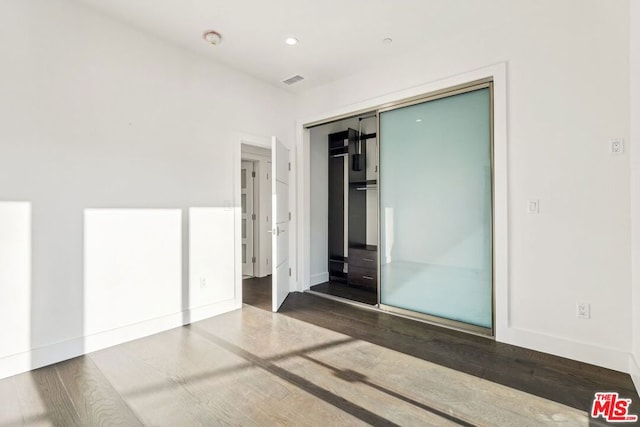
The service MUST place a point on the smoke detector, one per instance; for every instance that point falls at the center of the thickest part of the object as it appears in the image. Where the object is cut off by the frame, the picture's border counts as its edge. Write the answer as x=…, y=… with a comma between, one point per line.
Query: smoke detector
x=212, y=37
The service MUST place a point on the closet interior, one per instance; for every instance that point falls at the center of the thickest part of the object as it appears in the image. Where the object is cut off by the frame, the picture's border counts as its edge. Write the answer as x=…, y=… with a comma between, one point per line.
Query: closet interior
x=350, y=156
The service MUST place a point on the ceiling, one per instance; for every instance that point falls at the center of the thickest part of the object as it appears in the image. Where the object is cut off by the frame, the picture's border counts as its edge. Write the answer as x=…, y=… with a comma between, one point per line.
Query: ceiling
x=337, y=37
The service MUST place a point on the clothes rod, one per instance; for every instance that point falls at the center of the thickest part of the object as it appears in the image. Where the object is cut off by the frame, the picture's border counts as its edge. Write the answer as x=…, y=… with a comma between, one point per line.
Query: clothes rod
x=340, y=155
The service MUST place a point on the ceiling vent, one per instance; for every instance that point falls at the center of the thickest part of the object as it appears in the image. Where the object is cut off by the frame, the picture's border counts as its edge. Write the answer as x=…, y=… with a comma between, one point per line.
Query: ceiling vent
x=292, y=80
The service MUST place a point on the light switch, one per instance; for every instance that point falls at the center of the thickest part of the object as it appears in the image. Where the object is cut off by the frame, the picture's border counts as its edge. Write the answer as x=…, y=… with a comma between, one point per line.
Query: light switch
x=533, y=206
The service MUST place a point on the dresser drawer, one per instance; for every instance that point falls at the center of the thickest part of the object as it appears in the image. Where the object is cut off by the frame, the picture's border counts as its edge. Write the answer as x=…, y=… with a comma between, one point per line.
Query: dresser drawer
x=365, y=277
x=363, y=258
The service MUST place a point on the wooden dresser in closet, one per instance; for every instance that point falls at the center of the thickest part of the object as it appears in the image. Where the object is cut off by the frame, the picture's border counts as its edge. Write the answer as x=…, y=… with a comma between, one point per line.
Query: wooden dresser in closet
x=363, y=267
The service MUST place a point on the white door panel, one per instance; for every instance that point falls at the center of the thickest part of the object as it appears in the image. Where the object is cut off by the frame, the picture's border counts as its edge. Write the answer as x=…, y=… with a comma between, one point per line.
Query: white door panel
x=280, y=284
x=282, y=164
x=283, y=202
x=280, y=226
x=282, y=238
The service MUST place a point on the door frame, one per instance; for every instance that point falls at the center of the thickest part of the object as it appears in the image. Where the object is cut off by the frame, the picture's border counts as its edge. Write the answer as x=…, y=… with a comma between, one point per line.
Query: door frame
x=238, y=139
x=262, y=207
x=498, y=73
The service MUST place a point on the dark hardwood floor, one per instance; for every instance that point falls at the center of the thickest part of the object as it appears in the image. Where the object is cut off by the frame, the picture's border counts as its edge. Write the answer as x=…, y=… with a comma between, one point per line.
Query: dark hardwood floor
x=554, y=378
x=256, y=291
x=343, y=290
x=316, y=362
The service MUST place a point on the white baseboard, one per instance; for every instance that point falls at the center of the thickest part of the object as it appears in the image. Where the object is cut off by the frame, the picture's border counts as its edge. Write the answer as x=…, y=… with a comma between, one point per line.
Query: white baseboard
x=316, y=279
x=634, y=371
x=584, y=352
x=54, y=353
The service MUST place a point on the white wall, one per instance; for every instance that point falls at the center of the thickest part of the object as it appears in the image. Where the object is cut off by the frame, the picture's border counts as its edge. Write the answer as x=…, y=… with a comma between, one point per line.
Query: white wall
x=568, y=94
x=99, y=117
x=634, y=152
x=319, y=197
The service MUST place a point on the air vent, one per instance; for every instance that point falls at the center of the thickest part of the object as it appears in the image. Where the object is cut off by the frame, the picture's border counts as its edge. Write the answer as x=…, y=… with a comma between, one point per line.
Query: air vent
x=292, y=80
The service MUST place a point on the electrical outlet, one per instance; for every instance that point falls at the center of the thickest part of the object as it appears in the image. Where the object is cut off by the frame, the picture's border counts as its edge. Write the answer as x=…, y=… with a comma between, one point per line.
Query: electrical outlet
x=203, y=282
x=533, y=206
x=583, y=310
x=617, y=146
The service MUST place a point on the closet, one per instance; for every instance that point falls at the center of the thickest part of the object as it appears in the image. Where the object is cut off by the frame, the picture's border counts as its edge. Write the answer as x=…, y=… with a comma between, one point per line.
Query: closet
x=402, y=208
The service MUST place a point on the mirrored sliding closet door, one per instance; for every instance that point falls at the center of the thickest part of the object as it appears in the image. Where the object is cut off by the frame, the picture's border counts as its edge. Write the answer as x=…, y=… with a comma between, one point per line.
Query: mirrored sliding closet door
x=435, y=190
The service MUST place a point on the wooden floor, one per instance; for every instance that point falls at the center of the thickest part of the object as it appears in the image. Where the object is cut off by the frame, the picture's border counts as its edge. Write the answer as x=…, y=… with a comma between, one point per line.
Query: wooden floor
x=343, y=290
x=318, y=362
x=257, y=292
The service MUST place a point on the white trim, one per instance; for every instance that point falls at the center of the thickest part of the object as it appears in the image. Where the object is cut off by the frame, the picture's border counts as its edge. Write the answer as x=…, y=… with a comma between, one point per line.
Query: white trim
x=303, y=140
x=262, y=195
x=57, y=352
x=316, y=279
x=634, y=167
x=607, y=357
x=293, y=222
x=634, y=371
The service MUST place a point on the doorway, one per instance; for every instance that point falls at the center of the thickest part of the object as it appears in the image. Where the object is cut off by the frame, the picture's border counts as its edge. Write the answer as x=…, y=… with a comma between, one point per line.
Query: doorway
x=256, y=240
x=272, y=231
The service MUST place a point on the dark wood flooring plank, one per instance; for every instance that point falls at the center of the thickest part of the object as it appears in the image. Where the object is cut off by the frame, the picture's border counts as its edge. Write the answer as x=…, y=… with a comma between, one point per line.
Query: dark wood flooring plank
x=256, y=291
x=343, y=290
x=95, y=399
x=44, y=400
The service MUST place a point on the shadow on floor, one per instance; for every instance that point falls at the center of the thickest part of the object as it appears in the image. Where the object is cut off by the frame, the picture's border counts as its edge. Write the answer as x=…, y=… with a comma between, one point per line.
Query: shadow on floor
x=566, y=381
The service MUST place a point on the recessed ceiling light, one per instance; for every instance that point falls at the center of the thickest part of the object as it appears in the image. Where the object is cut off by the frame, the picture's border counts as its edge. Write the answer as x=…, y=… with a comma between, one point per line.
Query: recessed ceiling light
x=291, y=41
x=418, y=120
x=212, y=37
x=387, y=40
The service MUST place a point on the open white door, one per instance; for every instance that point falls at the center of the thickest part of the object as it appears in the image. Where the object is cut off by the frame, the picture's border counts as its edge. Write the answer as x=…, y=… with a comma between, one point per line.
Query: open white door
x=280, y=213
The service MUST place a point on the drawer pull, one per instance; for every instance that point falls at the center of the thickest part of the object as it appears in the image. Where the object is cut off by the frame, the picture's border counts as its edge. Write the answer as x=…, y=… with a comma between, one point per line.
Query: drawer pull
x=367, y=277
x=368, y=259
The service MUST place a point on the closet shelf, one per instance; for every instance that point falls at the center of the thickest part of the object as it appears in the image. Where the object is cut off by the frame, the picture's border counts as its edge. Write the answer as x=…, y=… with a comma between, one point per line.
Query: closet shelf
x=364, y=247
